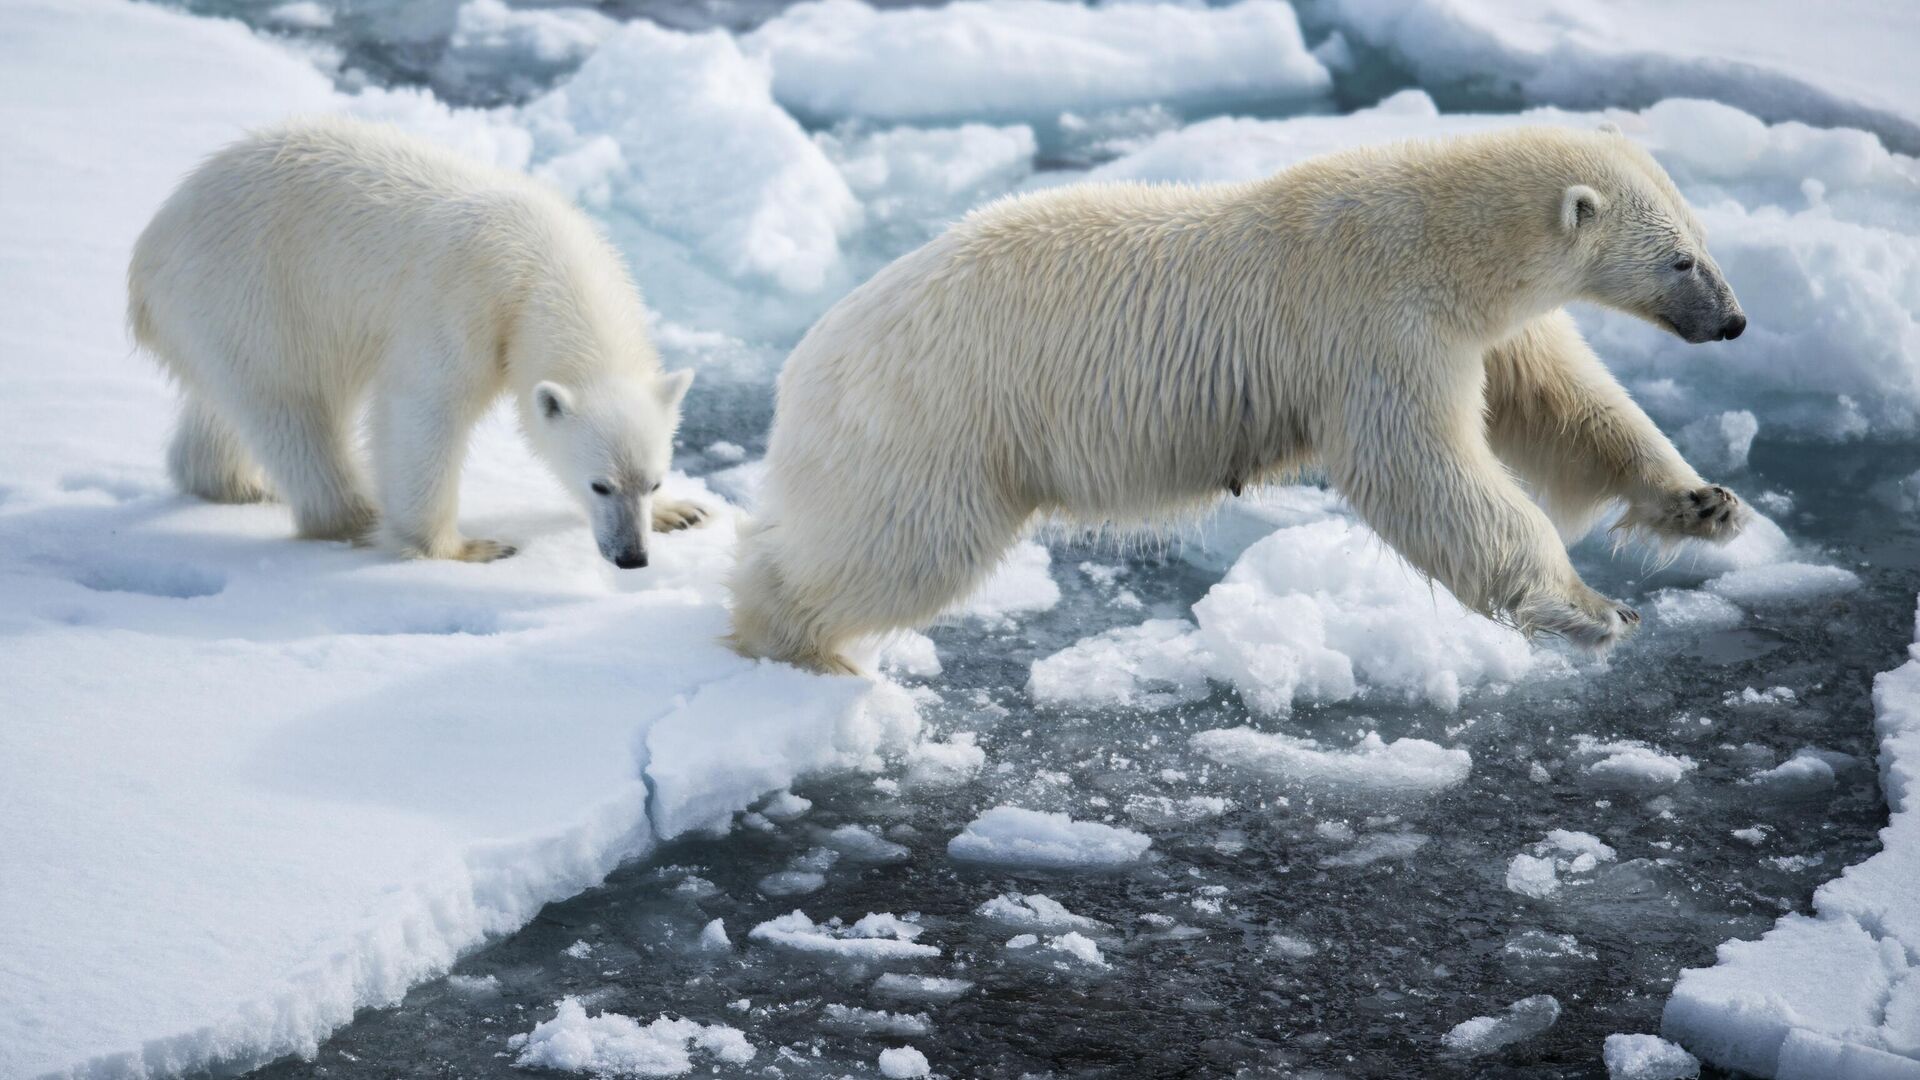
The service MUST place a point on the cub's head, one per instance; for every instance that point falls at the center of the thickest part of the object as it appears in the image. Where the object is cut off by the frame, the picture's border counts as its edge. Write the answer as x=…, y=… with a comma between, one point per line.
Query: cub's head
x=1640, y=249
x=611, y=442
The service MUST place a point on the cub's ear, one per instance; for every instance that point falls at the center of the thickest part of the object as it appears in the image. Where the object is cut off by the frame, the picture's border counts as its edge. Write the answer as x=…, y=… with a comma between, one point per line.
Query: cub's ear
x=552, y=401
x=673, y=387
x=1579, y=206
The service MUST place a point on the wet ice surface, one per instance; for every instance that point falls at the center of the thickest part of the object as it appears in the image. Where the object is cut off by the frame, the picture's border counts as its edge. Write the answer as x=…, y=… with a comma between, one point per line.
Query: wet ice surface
x=1269, y=929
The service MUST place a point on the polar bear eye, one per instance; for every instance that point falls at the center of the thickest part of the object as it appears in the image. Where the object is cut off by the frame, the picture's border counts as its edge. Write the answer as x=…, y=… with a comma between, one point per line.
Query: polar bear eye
x=654, y=488
x=1683, y=264
x=601, y=488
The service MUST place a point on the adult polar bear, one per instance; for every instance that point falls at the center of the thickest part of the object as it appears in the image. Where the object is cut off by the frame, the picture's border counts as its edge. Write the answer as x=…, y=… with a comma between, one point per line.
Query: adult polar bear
x=1127, y=353
x=305, y=269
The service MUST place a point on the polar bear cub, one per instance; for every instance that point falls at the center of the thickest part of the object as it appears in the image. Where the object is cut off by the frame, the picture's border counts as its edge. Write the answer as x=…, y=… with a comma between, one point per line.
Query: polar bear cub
x=1128, y=353
x=308, y=272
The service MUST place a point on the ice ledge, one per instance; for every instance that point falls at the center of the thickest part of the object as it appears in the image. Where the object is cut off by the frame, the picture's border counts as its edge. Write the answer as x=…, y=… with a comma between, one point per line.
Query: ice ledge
x=1836, y=993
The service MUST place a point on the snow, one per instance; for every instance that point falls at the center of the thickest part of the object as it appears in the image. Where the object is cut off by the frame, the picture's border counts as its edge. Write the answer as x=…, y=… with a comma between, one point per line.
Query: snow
x=1371, y=766
x=1022, y=584
x=1031, y=60
x=614, y=1045
x=1014, y=836
x=1647, y=1057
x=903, y=1063
x=316, y=775
x=1523, y=1019
x=1783, y=583
x=945, y=763
x=875, y=937
x=1835, y=993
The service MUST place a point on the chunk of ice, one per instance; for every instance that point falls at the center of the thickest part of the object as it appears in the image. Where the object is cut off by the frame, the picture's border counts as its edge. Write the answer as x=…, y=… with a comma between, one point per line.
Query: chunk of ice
x=1523, y=1020
x=1014, y=836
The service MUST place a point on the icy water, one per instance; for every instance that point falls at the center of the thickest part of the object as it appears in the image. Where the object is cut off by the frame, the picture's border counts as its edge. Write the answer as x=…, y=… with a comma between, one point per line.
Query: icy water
x=1249, y=944
x=1274, y=930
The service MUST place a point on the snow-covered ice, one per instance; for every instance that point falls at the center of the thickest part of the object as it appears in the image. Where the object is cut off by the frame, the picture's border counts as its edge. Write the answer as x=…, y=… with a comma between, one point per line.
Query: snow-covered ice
x=903, y=1063
x=1016, y=836
x=1033, y=913
x=877, y=937
x=1647, y=1057
x=1372, y=765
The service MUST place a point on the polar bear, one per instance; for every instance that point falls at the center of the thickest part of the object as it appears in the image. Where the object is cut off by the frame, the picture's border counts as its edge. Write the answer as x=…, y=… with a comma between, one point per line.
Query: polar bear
x=1127, y=353
x=306, y=271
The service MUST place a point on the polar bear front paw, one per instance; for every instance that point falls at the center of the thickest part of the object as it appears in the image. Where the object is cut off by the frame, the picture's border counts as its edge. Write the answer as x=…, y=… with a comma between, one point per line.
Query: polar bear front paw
x=670, y=515
x=483, y=551
x=1703, y=513
x=1585, y=618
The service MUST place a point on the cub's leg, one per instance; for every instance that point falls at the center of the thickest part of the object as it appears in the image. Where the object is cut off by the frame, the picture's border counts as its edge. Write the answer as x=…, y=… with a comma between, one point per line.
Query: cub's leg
x=422, y=411
x=207, y=460
x=1412, y=455
x=304, y=442
x=1558, y=418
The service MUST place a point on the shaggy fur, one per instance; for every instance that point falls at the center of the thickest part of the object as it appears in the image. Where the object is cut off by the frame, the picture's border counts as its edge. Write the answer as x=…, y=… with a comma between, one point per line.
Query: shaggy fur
x=1129, y=353
x=303, y=272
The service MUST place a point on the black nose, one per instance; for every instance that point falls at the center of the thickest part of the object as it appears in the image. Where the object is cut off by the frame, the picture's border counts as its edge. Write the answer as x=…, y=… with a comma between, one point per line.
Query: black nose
x=1734, y=327
x=632, y=560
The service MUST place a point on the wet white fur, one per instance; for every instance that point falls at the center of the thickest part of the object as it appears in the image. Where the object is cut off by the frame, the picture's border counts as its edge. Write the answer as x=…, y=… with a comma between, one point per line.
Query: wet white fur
x=1128, y=353
x=306, y=271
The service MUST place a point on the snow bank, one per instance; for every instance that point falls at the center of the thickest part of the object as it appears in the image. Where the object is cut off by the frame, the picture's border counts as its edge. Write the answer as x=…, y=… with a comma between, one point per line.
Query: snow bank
x=252, y=784
x=1819, y=231
x=1411, y=766
x=615, y=1045
x=1318, y=612
x=1836, y=993
x=1843, y=64
x=1013, y=836
x=1031, y=60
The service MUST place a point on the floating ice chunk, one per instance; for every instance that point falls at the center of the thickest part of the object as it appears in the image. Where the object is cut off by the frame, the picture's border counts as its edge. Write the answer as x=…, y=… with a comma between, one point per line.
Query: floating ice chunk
x=300, y=15
x=1023, y=584
x=1071, y=948
x=1290, y=946
x=863, y=843
x=925, y=988
x=1807, y=772
x=1022, y=59
x=784, y=805
x=904, y=1063
x=1165, y=810
x=1156, y=664
x=1647, y=1057
x=579, y=950
x=1631, y=763
x=1718, y=445
x=713, y=936
x=1372, y=849
x=875, y=937
x=911, y=653
x=1013, y=836
x=913, y=181
x=705, y=156
x=483, y=986
x=1413, y=766
x=876, y=1022
x=1689, y=609
x=1523, y=1019
x=1314, y=612
x=932, y=764
x=1748, y=697
x=614, y=1045
x=792, y=883
x=1560, y=856
x=1784, y=583
x=1033, y=913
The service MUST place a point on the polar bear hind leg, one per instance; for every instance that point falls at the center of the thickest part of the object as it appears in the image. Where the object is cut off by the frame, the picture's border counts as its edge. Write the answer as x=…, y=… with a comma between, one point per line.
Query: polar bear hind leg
x=206, y=458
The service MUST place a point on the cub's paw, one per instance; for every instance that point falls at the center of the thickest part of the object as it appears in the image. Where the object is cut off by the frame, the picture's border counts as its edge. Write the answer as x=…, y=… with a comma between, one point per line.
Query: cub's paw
x=483, y=551
x=670, y=515
x=1704, y=513
x=1583, y=617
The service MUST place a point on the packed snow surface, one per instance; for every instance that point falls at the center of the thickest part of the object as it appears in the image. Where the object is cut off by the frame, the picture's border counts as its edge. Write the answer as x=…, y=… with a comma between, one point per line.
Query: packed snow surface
x=1015, y=836
x=1835, y=993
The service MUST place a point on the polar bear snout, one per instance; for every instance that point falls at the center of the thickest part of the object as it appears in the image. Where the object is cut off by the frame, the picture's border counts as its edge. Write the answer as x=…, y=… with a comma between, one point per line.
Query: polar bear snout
x=631, y=560
x=620, y=532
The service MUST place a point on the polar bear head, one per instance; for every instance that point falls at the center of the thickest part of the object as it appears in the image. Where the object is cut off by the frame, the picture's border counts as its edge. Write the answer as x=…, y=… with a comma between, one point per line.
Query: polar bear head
x=610, y=442
x=1639, y=248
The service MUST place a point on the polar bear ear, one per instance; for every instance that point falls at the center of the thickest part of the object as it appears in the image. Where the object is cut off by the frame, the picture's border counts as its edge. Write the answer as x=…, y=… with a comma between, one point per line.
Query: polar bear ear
x=673, y=388
x=552, y=401
x=1579, y=206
